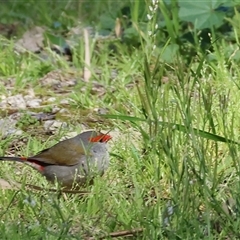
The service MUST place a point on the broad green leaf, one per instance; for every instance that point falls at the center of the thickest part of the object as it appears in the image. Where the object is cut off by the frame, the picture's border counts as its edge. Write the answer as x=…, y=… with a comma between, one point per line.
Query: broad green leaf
x=202, y=14
x=170, y=52
x=56, y=40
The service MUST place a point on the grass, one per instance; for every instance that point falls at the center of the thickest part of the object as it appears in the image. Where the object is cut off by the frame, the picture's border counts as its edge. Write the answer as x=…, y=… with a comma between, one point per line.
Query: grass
x=172, y=184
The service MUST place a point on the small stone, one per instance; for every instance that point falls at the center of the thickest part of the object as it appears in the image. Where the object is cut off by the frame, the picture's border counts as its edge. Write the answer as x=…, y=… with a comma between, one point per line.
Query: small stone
x=55, y=109
x=51, y=100
x=16, y=101
x=7, y=127
x=63, y=110
x=54, y=125
x=34, y=103
x=64, y=101
x=3, y=104
x=17, y=132
x=69, y=83
x=101, y=111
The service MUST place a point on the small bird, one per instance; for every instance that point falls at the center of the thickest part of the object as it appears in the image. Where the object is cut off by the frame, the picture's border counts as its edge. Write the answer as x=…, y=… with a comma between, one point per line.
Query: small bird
x=71, y=162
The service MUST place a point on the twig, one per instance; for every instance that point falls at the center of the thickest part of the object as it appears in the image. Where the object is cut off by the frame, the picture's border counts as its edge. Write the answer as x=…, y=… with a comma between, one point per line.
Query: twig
x=124, y=233
x=57, y=190
x=10, y=185
x=87, y=72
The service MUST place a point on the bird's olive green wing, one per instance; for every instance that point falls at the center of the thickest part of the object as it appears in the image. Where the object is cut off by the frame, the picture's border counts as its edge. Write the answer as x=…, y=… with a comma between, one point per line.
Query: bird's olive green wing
x=67, y=152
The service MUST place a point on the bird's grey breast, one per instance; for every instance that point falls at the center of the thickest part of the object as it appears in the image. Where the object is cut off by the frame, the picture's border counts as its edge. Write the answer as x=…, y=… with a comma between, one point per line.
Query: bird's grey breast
x=100, y=156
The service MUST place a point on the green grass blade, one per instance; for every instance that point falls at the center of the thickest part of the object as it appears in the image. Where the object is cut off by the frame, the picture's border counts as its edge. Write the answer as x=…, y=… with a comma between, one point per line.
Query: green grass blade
x=176, y=126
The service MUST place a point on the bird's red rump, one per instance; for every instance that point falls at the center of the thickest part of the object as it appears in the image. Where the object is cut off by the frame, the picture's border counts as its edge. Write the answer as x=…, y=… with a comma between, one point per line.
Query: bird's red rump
x=34, y=163
x=101, y=138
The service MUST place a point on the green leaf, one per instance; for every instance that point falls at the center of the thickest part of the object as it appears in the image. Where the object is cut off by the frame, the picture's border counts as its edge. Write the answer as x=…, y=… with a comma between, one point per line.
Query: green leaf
x=55, y=40
x=107, y=22
x=202, y=14
x=170, y=53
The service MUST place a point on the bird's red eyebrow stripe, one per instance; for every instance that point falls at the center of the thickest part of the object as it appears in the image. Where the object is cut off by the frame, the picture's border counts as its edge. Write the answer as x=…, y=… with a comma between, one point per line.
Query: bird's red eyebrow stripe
x=101, y=138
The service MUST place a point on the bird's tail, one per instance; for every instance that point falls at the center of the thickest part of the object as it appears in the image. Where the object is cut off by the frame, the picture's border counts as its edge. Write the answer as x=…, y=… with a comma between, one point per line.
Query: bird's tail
x=17, y=159
x=30, y=161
